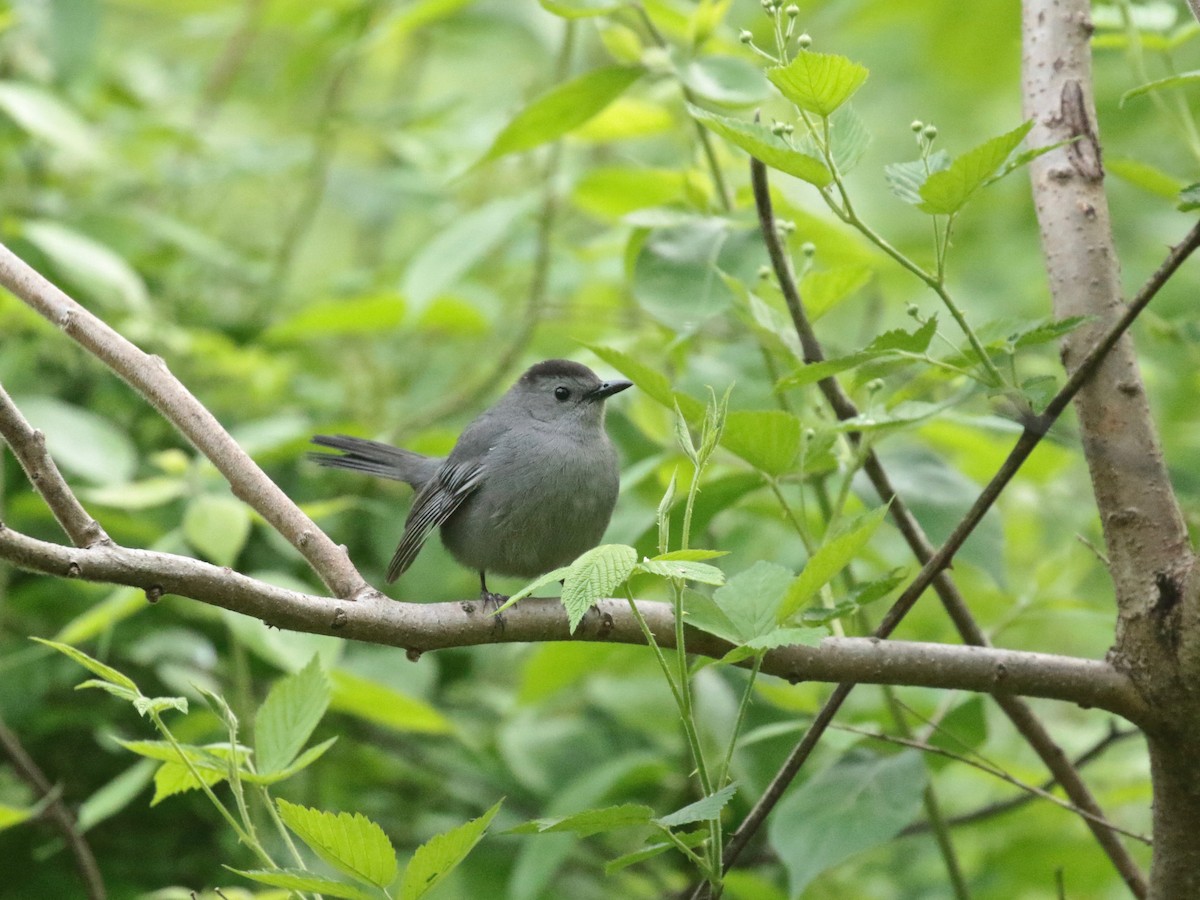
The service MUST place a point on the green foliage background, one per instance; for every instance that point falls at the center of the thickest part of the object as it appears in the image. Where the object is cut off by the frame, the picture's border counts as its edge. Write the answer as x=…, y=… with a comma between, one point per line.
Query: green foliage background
x=290, y=203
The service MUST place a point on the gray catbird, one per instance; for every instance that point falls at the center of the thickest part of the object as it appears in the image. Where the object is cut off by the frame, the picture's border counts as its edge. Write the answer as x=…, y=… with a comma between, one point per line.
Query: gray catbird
x=530, y=484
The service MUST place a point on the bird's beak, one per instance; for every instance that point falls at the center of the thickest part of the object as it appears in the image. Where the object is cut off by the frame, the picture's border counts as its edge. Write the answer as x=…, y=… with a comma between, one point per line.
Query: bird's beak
x=608, y=388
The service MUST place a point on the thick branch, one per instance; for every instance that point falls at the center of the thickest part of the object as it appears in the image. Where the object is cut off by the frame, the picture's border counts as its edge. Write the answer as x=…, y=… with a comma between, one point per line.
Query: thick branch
x=418, y=627
x=149, y=376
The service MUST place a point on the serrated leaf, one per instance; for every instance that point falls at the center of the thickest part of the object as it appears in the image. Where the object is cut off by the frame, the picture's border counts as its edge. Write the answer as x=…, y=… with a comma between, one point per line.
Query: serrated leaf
x=848, y=139
x=829, y=559
x=763, y=145
x=351, y=843
x=594, y=576
x=106, y=672
x=536, y=585
x=303, y=761
x=217, y=526
x=121, y=693
x=750, y=599
x=818, y=82
x=890, y=343
x=175, y=778
x=946, y=192
x=703, y=810
x=146, y=705
x=287, y=717
x=788, y=637
x=689, y=571
x=591, y=821
x=702, y=612
x=562, y=109
x=768, y=439
x=300, y=880
x=437, y=857
x=905, y=179
x=641, y=855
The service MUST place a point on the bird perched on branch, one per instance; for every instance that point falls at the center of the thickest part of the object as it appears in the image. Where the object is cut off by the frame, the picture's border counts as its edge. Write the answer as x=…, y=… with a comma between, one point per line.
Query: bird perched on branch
x=529, y=486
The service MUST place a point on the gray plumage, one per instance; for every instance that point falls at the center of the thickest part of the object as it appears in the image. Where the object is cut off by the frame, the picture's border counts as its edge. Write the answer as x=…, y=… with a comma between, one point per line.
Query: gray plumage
x=530, y=484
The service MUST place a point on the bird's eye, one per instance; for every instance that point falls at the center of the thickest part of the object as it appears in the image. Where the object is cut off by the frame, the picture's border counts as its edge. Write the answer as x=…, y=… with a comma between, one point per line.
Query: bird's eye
x=561, y=393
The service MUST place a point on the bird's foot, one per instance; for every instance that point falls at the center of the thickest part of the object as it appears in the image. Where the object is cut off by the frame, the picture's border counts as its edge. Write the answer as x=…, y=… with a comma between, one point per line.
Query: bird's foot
x=492, y=601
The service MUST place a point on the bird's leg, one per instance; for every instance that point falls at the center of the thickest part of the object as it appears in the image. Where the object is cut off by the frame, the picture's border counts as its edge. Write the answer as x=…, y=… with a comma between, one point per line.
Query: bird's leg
x=495, y=601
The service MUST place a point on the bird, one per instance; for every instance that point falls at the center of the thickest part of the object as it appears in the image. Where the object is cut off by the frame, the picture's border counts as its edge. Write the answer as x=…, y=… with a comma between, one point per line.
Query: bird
x=529, y=486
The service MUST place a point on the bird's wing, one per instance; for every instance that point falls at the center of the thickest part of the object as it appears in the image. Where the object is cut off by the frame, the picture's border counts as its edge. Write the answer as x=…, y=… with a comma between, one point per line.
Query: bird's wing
x=435, y=503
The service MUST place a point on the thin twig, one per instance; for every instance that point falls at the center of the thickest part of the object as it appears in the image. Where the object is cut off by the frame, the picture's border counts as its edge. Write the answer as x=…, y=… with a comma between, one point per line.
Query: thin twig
x=151, y=378
x=1001, y=807
x=29, y=447
x=995, y=772
x=56, y=811
x=933, y=567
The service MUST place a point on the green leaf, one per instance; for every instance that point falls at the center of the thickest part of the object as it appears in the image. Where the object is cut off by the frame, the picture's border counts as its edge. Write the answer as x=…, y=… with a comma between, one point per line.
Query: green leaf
x=702, y=810
x=1171, y=81
x=769, y=439
x=173, y=778
x=848, y=139
x=614, y=191
x=562, y=109
x=725, y=80
x=80, y=441
x=217, y=526
x=288, y=716
x=11, y=816
x=675, y=273
x=763, y=145
x=352, y=844
x=108, y=673
x=1189, y=198
x=116, y=795
x=946, y=192
x=818, y=82
x=594, y=576
x=690, y=555
x=438, y=857
x=455, y=250
x=95, y=268
x=303, y=761
x=536, y=585
x=145, y=705
x=854, y=805
x=578, y=9
x=862, y=595
x=43, y=115
x=1142, y=174
x=137, y=495
x=370, y=315
x=829, y=559
x=825, y=289
x=905, y=179
x=690, y=571
x=750, y=599
x=788, y=637
x=640, y=855
x=300, y=880
x=962, y=731
x=382, y=705
x=889, y=344
x=591, y=821
x=649, y=381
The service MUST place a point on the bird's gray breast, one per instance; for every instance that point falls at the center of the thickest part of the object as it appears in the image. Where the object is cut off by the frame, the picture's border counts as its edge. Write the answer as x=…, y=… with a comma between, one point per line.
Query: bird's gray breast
x=545, y=498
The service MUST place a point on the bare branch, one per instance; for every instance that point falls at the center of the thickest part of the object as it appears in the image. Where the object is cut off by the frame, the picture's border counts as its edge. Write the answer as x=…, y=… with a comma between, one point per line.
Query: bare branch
x=149, y=376
x=418, y=627
x=29, y=446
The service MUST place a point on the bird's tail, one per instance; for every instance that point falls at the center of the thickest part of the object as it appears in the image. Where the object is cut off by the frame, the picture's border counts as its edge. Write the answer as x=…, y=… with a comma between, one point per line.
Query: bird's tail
x=374, y=458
